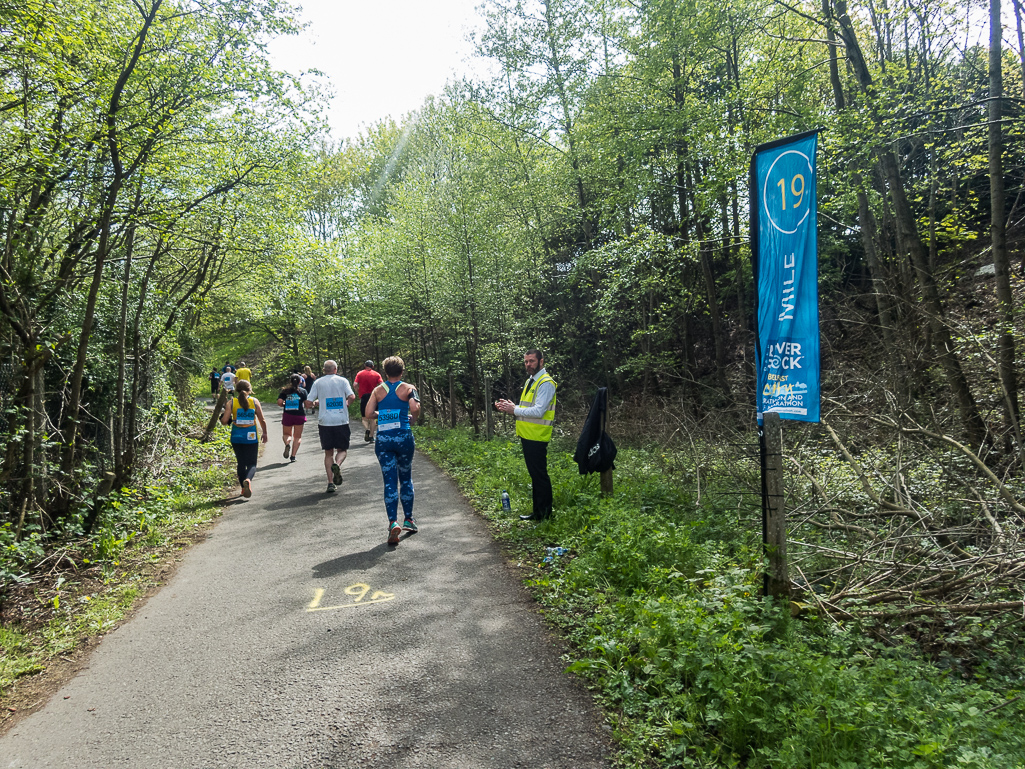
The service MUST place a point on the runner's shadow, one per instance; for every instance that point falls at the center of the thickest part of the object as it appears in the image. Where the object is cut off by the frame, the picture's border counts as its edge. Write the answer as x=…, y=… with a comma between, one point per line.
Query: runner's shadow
x=275, y=466
x=351, y=562
x=296, y=502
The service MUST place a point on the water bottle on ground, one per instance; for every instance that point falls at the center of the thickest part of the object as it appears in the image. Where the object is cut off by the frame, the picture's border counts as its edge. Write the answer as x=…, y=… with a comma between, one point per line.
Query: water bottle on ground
x=506, y=503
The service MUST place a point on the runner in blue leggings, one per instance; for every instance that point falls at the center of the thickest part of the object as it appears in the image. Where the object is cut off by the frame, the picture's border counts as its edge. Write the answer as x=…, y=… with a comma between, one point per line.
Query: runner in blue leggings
x=395, y=404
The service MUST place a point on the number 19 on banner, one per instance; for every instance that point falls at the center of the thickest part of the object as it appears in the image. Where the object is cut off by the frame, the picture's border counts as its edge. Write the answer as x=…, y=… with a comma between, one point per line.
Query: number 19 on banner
x=785, y=250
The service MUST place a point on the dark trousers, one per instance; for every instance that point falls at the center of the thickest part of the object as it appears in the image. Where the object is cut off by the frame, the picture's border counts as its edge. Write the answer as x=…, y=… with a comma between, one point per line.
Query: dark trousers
x=245, y=458
x=535, y=454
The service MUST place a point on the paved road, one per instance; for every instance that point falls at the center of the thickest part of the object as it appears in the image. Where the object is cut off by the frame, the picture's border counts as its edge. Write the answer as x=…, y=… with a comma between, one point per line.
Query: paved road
x=295, y=637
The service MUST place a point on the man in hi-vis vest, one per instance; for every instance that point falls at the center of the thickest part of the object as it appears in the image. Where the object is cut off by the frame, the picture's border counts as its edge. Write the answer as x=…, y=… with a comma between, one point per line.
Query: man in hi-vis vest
x=534, y=417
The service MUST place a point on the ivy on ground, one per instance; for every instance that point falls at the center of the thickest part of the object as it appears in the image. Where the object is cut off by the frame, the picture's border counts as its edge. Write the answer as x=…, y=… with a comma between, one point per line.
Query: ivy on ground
x=660, y=596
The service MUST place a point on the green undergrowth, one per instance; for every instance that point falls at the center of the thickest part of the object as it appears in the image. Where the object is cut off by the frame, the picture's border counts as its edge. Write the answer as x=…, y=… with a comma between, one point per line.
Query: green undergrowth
x=68, y=586
x=270, y=366
x=659, y=595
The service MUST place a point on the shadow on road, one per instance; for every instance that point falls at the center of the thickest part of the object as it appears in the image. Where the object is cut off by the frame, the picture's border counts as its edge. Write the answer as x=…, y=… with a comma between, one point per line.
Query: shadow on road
x=296, y=503
x=351, y=562
x=275, y=466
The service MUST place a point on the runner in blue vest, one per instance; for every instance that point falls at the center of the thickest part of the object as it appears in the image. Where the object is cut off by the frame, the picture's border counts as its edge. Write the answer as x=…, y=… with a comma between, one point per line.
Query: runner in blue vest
x=395, y=404
x=242, y=415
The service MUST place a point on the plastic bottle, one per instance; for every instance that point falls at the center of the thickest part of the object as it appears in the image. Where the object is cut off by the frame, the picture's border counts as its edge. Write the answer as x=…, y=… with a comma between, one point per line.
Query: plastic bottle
x=506, y=503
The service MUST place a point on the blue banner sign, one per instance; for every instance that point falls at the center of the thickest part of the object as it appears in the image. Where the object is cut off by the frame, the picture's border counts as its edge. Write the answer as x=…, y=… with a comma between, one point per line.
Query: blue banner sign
x=784, y=248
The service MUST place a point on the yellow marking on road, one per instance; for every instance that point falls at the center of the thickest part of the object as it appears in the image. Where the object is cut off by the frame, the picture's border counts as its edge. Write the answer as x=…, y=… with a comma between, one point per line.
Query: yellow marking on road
x=359, y=591
x=350, y=605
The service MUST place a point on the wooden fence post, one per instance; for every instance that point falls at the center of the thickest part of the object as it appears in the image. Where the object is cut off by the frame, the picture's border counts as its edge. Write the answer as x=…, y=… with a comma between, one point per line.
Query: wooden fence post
x=774, y=524
x=606, y=475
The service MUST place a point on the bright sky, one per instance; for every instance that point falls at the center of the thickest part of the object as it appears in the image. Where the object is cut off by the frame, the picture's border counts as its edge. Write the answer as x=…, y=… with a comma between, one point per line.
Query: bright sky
x=382, y=57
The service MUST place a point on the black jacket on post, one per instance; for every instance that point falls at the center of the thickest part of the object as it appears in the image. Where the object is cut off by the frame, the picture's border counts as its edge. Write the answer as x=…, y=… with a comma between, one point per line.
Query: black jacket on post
x=596, y=452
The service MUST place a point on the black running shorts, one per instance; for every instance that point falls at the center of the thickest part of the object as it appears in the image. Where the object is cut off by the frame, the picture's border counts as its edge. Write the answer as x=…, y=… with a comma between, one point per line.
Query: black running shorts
x=334, y=437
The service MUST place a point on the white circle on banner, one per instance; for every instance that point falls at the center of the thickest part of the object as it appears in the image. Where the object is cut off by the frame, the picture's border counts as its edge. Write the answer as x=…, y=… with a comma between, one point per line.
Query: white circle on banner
x=765, y=195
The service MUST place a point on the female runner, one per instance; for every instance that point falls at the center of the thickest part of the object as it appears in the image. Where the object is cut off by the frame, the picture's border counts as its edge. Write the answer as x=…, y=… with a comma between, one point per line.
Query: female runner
x=293, y=419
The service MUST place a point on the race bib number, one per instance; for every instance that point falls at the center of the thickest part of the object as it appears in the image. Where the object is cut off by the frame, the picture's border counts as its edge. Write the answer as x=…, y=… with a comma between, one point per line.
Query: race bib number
x=245, y=421
x=292, y=402
x=388, y=419
x=334, y=404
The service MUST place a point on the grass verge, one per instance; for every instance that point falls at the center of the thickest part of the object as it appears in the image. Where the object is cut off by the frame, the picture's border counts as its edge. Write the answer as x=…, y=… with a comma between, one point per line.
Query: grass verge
x=60, y=592
x=658, y=594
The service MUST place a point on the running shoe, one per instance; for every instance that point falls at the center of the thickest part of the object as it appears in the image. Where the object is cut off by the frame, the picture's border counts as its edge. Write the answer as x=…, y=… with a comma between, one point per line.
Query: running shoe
x=292, y=459
x=336, y=474
x=330, y=488
x=366, y=437
x=288, y=450
x=394, y=532
x=410, y=525
x=247, y=488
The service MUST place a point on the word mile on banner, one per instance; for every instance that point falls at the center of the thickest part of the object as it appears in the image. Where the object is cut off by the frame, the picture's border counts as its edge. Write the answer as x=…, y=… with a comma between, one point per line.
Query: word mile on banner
x=784, y=248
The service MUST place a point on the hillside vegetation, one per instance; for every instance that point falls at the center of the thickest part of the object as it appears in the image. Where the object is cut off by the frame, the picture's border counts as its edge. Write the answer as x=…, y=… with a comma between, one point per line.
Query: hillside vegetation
x=168, y=198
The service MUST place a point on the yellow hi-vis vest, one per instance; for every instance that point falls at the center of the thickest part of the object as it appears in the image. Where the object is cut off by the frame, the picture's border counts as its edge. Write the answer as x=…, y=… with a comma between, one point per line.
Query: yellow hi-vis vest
x=536, y=428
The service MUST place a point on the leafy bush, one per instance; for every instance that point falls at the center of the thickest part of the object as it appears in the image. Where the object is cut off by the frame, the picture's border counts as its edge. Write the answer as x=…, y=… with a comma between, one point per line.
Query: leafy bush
x=660, y=596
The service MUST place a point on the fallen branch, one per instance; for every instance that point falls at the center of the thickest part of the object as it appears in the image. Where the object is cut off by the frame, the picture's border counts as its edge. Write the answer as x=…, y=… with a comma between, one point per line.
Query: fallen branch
x=964, y=608
x=862, y=476
x=1002, y=704
x=975, y=460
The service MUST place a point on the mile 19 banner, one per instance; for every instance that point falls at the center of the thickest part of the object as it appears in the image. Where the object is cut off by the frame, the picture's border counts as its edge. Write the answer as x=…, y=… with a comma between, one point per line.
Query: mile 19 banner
x=784, y=248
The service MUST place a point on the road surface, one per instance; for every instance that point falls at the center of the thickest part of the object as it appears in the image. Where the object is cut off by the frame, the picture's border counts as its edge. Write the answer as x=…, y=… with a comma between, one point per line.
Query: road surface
x=294, y=636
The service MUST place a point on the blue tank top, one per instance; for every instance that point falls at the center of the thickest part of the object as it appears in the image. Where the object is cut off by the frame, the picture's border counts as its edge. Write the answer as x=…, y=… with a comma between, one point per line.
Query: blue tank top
x=392, y=411
x=243, y=425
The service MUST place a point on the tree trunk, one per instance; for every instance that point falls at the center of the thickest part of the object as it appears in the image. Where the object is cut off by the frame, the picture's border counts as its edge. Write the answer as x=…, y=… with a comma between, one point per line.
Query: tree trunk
x=910, y=242
x=118, y=433
x=70, y=433
x=998, y=233
x=567, y=124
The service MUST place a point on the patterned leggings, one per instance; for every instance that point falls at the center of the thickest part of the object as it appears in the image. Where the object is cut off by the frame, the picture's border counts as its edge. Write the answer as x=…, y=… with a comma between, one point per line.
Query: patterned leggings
x=394, y=451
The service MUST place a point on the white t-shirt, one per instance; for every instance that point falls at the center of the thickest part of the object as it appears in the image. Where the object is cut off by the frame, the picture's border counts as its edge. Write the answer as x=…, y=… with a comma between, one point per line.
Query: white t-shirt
x=332, y=391
x=228, y=381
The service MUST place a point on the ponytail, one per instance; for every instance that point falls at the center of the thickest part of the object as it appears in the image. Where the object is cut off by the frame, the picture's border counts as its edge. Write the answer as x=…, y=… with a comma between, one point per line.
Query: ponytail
x=242, y=387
